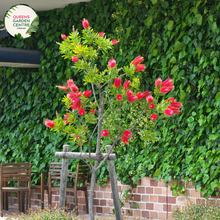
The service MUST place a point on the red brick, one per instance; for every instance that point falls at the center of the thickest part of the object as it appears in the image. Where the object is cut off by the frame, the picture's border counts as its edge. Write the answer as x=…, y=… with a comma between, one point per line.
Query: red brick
x=163, y=215
x=141, y=190
x=84, y=208
x=119, y=188
x=149, y=190
x=95, y=201
x=137, y=213
x=132, y=205
x=149, y=206
x=172, y=200
x=102, y=188
x=137, y=197
x=145, y=198
x=153, y=183
x=138, y=183
x=106, y=210
x=154, y=214
x=82, y=200
x=102, y=202
x=194, y=193
x=96, y=188
x=129, y=214
x=158, y=207
x=54, y=205
x=80, y=207
x=45, y=197
x=99, y=209
x=38, y=196
x=109, y=202
x=141, y=205
x=167, y=208
x=153, y=198
x=107, y=195
x=145, y=214
x=134, y=190
x=161, y=183
x=162, y=199
x=79, y=193
x=158, y=190
x=99, y=194
x=145, y=181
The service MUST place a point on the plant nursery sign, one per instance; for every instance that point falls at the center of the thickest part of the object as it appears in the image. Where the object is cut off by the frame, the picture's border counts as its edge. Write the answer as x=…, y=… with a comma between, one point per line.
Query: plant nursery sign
x=21, y=20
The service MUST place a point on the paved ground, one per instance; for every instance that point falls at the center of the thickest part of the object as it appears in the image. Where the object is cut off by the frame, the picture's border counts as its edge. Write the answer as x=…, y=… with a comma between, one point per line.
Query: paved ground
x=12, y=213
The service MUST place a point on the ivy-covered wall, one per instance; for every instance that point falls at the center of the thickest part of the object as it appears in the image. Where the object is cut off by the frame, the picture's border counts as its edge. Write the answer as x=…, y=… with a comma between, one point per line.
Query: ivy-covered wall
x=178, y=39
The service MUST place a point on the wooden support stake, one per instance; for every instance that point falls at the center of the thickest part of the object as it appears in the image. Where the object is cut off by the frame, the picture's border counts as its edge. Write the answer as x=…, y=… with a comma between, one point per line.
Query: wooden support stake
x=111, y=167
x=63, y=181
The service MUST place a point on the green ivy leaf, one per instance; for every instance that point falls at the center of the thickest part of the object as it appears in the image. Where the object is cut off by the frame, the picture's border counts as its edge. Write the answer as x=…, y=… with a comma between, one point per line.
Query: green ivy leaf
x=154, y=2
x=170, y=25
x=173, y=60
x=199, y=19
x=157, y=173
x=149, y=21
x=177, y=46
x=174, y=70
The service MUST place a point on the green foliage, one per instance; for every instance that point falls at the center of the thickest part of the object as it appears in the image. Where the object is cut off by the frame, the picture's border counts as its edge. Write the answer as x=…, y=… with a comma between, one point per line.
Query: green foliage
x=188, y=47
x=198, y=211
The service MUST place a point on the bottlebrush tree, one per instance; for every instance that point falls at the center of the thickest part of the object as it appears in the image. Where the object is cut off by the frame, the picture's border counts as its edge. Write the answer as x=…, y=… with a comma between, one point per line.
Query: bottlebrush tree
x=101, y=107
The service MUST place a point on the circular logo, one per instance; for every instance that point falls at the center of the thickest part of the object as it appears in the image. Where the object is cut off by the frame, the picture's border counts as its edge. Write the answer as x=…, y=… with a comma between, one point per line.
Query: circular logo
x=21, y=20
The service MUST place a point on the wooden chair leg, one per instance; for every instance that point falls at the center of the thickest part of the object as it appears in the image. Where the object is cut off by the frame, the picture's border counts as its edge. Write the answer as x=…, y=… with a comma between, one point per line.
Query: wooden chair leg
x=42, y=191
x=1, y=202
x=86, y=198
x=76, y=202
x=19, y=201
x=29, y=199
x=49, y=191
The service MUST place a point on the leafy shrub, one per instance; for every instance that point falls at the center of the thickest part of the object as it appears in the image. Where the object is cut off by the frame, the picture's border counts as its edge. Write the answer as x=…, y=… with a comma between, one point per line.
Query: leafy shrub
x=198, y=211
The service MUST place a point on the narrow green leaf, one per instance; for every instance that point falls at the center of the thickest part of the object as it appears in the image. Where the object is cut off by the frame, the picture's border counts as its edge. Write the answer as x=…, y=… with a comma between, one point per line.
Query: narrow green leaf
x=157, y=173
x=199, y=51
x=154, y=2
x=199, y=19
x=174, y=70
x=170, y=25
x=149, y=20
x=214, y=26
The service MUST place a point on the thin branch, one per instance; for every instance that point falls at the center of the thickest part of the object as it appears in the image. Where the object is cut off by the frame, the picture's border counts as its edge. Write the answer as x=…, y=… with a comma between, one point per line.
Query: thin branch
x=94, y=93
x=110, y=150
x=88, y=164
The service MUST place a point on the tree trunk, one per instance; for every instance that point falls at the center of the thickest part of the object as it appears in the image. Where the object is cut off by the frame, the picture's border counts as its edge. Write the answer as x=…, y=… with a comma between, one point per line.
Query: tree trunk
x=91, y=191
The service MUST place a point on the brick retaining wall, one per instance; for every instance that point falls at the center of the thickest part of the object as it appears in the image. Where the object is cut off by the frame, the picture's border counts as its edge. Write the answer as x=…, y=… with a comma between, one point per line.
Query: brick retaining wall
x=154, y=199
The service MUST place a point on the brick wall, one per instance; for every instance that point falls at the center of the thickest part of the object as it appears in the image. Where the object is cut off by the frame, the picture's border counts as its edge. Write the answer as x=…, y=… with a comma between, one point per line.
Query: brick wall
x=154, y=199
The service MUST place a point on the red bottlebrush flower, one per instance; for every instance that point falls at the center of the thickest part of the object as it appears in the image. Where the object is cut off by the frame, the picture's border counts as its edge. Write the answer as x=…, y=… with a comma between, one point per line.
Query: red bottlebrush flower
x=92, y=112
x=137, y=60
x=158, y=83
x=80, y=45
x=76, y=106
x=71, y=95
x=129, y=93
x=75, y=100
x=73, y=88
x=87, y=93
x=49, y=123
x=126, y=84
x=132, y=98
x=145, y=94
x=171, y=100
x=63, y=36
x=66, y=118
x=75, y=59
x=177, y=104
x=149, y=98
x=62, y=87
x=70, y=82
x=119, y=97
x=101, y=34
x=82, y=112
x=117, y=82
x=114, y=42
x=85, y=23
x=139, y=95
x=168, y=112
x=167, y=83
x=127, y=134
x=164, y=90
x=112, y=63
x=153, y=117
x=151, y=106
x=125, y=140
x=78, y=137
x=174, y=109
x=105, y=133
x=140, y=67
x=79, y=93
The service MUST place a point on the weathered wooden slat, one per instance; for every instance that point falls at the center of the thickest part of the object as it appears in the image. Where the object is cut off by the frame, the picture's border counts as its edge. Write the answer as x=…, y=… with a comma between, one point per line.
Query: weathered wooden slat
x=74, y=155
x=16, y=180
